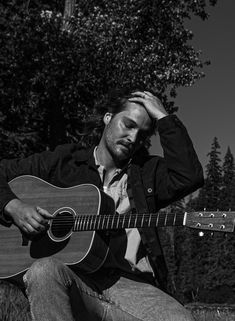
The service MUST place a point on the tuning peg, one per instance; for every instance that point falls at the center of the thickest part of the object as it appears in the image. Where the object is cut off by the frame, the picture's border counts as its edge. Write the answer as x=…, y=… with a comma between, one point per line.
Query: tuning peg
x=201, y=234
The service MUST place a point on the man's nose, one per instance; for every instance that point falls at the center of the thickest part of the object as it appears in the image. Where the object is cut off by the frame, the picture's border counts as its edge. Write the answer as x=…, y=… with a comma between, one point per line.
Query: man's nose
x=132, y=137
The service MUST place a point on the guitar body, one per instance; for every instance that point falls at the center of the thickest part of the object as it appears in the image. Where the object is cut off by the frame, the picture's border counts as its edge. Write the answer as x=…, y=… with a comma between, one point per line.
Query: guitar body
x=85, y=250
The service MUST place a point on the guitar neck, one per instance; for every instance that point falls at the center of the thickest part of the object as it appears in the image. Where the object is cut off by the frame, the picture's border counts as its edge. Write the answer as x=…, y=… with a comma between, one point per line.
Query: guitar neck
x=115, y=222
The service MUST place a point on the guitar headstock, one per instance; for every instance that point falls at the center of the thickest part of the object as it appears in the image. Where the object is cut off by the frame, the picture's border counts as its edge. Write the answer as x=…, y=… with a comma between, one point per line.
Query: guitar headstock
x=211, y=220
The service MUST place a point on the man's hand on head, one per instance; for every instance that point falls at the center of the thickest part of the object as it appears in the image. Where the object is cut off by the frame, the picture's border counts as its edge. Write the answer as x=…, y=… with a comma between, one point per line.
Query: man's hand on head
x=152, y=104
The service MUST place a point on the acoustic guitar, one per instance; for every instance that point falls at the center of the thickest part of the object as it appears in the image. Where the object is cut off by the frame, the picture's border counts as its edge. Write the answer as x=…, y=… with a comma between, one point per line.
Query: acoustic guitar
x=83, y=217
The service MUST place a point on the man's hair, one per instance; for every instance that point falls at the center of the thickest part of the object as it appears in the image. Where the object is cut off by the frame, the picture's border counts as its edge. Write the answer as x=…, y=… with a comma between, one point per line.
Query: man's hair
x=114, y=102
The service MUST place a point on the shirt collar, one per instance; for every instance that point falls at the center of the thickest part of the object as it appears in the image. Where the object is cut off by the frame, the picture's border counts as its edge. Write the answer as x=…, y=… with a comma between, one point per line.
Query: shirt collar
x=117, y=171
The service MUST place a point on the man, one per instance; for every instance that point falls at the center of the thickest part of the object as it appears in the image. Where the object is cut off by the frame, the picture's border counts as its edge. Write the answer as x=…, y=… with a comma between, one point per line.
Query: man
x=126, y=286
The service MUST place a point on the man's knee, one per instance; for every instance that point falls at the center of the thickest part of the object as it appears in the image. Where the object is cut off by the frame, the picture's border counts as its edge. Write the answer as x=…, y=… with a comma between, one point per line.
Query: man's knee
x=43, y=269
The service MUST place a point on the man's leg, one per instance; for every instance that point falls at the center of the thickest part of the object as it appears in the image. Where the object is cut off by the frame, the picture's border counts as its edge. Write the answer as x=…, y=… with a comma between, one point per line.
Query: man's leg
x=141, y=301
x=55, y=293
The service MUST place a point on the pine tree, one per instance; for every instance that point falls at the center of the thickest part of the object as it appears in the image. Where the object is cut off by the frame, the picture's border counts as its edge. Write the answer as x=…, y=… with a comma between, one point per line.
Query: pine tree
x=168, y=240
x=222, y=267
x=213, y=182
x=228, y=188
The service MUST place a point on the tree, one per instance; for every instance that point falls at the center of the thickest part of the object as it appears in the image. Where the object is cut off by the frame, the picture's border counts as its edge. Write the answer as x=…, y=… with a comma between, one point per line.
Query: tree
x=53, y=77
x=168, y=237
x=213, y=255
x=228, y=182
x=213, y=182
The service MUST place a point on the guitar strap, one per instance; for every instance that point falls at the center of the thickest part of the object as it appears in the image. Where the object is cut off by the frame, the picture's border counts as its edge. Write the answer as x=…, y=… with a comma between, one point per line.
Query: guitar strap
x=136, y=190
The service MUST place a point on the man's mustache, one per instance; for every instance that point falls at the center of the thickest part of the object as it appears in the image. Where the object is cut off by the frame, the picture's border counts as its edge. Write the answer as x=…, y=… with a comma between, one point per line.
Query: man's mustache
x=128, y=145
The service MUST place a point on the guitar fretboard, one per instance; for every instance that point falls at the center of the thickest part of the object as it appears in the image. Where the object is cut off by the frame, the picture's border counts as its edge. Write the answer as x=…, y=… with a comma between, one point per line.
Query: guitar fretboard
x=120, y=221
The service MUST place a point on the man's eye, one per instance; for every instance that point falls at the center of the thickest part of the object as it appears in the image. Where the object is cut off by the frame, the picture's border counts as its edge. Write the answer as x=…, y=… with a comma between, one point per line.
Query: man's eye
x=128, y=125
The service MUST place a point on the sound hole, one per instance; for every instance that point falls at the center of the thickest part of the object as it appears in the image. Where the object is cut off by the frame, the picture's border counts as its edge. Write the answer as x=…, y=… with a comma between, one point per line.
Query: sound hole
x=62, y=224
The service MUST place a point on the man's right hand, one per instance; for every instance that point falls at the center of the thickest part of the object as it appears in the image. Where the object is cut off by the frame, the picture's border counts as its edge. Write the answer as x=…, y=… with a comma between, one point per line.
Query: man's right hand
x=31, y=220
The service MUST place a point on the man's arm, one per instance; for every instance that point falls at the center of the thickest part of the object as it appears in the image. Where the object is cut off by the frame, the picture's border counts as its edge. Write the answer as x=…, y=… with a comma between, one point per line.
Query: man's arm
x=179, y=173
x=29, y=219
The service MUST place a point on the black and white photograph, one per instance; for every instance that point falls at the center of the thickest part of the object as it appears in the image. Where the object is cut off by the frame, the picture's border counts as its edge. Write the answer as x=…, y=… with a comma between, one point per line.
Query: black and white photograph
x=117, y=168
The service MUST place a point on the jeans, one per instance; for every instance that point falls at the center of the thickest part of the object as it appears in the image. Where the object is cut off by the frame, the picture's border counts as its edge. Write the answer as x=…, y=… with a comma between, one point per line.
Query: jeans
x=56, y=293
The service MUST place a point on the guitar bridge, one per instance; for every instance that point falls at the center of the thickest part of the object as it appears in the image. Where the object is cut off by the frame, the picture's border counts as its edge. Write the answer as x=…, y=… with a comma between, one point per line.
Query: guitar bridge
x=25, y=240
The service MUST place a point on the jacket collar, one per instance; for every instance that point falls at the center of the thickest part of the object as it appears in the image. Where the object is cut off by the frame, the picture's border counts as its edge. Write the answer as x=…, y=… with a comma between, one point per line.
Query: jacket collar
x=84, y=155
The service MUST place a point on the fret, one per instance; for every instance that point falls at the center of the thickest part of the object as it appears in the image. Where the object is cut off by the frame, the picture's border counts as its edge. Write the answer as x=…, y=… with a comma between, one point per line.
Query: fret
x=112, y=222
x=157, y=219
x=108, y=219
x=118, y=220
x=129, y=221
x=174, y=219
x=87, y=222
x=81, y=223
x=123, y=220
x=78, y=224
x=142, y=221
x=91, y=222
x=75, y=224
x=135, y=219
x=165, y=221
x=102, y=222
x=97, y=222
x=184, y=219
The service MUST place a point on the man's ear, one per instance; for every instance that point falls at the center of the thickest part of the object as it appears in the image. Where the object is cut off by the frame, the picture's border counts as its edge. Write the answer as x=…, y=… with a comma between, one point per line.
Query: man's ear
x=107, y=118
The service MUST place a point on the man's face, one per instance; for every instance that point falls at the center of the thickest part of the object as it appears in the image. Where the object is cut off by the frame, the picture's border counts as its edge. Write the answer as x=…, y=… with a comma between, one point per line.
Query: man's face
x=126, y=131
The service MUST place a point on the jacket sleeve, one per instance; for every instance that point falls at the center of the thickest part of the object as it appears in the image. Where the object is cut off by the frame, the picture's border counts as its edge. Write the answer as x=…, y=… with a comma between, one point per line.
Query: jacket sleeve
x=179, y=172
x=39, y=165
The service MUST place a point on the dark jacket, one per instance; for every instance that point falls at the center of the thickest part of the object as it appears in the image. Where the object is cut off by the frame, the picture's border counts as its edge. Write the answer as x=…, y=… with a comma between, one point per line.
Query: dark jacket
x=154, y=182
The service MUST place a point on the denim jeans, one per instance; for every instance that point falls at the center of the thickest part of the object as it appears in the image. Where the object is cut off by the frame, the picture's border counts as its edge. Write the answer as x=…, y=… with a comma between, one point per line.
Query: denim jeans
x=56, y=293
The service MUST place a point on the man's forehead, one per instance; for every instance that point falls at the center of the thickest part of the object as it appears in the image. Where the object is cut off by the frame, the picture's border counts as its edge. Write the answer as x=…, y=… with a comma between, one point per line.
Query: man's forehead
x=136, y=110
x=137, y=114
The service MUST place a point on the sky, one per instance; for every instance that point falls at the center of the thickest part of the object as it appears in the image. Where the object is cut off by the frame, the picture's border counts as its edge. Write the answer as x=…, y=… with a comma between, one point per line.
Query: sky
x=207, y=108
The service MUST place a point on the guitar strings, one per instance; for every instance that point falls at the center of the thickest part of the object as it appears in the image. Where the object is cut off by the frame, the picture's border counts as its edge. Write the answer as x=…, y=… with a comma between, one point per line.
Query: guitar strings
x=107, y=221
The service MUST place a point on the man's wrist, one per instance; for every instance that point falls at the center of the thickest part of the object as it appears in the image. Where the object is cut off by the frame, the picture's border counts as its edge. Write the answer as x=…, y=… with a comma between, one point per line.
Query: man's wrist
x=160, y=116
x=10, y=208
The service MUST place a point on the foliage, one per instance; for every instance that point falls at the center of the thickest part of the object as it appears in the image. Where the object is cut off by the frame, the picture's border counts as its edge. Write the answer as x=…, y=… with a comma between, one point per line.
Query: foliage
x=209, y=195
x=54, y=76
x=228, y=188
x=202, y=267
x=211, y=257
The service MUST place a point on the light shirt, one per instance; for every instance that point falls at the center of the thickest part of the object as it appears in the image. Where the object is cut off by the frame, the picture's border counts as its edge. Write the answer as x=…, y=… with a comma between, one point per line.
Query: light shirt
x=126, y=249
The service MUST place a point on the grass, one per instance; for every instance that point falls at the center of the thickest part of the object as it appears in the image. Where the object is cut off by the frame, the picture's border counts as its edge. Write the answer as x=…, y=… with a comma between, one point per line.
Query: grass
x=13, y=304
x=15, y=307
x=212, y=312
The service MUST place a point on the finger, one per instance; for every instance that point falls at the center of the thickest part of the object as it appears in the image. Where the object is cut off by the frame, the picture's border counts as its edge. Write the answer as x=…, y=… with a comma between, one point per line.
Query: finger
x=44, y=212
x=38, y=227
x=139, y=93
x=36, y=219
x=149, y=93
x=28, y=228
x=138, y=100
